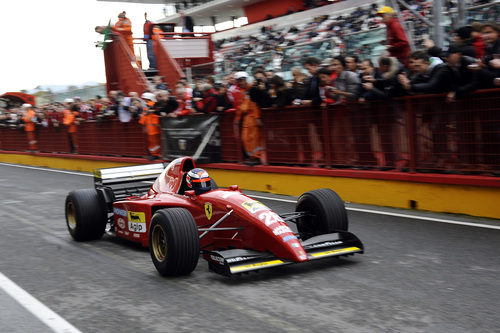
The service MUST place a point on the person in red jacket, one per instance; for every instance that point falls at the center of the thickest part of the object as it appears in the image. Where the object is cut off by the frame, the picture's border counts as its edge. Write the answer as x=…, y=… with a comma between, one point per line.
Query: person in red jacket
x=397, y=43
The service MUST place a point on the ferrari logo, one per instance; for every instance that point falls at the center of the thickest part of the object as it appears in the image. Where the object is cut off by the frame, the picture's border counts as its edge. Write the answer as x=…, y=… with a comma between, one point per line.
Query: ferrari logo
x=208, y=210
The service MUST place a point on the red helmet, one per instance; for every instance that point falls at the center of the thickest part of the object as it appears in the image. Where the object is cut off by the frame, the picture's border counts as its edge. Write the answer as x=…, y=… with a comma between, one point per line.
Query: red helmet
x=199, y=181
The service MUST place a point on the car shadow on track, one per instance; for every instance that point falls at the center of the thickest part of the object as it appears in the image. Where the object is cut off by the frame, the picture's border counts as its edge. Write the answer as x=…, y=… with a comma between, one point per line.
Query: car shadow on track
x=108, y=237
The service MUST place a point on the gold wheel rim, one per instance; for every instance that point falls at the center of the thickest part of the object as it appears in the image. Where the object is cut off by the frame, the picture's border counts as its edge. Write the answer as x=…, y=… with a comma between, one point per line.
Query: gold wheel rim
x=159, y=243
x=70, y=215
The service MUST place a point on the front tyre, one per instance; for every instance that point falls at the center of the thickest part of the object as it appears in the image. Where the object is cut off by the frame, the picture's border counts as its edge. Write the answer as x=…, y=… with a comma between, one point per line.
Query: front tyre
x=174, y=243
x=325, y=210
x=86, y=215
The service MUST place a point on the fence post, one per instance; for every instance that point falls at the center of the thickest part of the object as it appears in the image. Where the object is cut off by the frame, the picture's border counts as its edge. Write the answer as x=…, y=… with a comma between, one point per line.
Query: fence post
x=410, y=123
x=326, y=134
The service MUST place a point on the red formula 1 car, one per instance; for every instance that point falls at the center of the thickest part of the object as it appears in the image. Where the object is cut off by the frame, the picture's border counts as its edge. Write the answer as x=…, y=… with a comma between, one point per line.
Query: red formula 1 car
x=234, y=232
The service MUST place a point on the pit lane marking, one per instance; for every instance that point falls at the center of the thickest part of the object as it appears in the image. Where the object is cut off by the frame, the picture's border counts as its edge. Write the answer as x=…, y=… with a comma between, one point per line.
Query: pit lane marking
x=41, y=311
x=381, y=212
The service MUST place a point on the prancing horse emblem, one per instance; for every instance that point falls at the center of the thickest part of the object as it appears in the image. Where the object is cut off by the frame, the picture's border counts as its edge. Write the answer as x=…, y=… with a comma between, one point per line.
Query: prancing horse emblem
x=208, y=210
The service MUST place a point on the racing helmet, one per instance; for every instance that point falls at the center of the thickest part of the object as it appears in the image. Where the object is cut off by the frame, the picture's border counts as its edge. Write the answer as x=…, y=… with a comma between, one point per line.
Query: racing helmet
x=198, y=180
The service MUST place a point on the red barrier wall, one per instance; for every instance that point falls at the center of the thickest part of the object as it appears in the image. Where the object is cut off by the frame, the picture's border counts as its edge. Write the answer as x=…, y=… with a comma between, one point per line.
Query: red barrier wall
x=258, y=11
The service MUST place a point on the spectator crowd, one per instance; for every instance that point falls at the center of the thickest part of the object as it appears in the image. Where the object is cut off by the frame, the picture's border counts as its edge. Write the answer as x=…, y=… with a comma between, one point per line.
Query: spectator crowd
x=471, y=62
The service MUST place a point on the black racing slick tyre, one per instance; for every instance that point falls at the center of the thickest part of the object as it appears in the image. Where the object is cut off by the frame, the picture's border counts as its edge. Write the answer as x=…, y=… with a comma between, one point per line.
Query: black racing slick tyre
x=174, y=243
x=86, y=215
x=325, y=210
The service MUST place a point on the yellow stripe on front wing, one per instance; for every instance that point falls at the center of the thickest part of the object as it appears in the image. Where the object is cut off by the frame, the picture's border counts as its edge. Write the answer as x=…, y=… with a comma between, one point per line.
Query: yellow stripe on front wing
x=256, y=265
x=332, y=252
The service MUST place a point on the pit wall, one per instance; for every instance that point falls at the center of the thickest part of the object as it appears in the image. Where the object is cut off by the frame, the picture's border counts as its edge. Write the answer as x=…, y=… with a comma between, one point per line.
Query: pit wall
x=478, y=196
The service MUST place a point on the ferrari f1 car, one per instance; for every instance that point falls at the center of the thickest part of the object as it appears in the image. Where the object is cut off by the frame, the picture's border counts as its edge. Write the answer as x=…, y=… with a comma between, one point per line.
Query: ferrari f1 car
x=234, y=232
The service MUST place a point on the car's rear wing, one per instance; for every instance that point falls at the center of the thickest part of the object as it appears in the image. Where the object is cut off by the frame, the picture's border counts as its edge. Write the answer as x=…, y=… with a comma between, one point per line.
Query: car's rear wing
x=122, y=182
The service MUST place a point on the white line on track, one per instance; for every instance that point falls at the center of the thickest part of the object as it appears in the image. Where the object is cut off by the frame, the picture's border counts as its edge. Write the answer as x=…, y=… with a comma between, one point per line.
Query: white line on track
x=42, y=312
x=381, y=212
x=371, y=211
x=46, y=169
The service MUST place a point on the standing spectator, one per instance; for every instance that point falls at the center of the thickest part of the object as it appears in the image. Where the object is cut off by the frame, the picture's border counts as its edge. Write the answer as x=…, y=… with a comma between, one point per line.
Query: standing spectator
x=124, y=27
x=279, y=94
x=297, y=86
x=397, y=42
x=122, y=107
x=325, y=86
x=151, y=123
x=248, y=118
x=148, y=37
x=209, y=102
x=430, y=79
x=376, y=118
x=490, y=32
x=347, y=82
x=478, y=43
x=183, y=101
x=165, y=104
x=311, y=95
x=259, y=90
x=346, y=89
x=464, y=40
x=222, y=96
x=187, y=23
x=71, y=121
x=158, y=83
x=352, y=63
x=30, y=120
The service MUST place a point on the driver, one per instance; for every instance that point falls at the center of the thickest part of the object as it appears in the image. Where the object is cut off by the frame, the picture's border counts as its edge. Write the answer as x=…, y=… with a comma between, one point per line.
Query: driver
x=198, y=180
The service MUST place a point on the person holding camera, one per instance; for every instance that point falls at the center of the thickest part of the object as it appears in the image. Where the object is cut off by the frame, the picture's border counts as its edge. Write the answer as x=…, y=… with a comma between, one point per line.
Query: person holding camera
x=259, y=90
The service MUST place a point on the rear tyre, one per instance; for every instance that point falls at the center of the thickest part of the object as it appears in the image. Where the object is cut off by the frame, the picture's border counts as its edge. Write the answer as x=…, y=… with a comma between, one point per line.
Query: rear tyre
x=174, y=243
x=86, y=215
x=326, y=213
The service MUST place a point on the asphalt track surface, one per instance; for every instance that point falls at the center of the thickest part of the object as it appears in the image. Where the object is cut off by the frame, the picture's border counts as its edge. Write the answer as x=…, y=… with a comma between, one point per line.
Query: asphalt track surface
x=416, y=275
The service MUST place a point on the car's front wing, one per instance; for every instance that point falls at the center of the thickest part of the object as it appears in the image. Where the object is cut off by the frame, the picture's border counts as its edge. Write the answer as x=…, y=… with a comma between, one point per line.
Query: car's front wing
x=236, y=261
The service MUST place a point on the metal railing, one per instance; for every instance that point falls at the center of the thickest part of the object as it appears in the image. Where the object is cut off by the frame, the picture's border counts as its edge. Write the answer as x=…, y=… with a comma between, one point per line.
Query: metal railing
x=415, y=133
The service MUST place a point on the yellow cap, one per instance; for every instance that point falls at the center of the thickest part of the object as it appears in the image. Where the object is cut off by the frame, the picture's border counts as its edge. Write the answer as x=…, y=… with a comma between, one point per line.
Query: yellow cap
x=386, y=10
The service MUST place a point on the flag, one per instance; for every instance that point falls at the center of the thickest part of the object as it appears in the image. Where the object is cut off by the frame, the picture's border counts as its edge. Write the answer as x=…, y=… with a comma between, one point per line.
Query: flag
x=106, y=33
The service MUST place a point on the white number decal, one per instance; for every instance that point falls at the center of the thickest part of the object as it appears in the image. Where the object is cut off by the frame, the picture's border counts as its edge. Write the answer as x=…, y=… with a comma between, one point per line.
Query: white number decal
x=269, y=218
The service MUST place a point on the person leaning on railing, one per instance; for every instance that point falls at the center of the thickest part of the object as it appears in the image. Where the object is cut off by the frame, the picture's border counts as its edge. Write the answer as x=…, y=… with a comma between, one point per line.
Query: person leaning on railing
x=490, y=63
